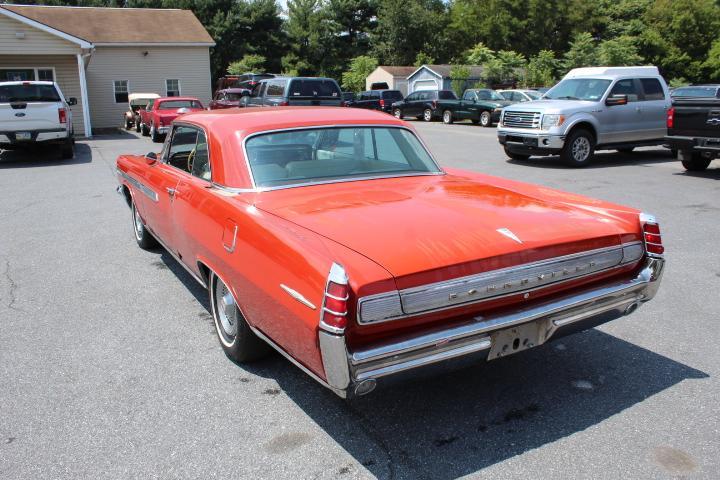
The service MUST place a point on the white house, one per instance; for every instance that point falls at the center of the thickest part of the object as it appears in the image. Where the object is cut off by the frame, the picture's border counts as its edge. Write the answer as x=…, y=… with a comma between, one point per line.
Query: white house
x=100, y=55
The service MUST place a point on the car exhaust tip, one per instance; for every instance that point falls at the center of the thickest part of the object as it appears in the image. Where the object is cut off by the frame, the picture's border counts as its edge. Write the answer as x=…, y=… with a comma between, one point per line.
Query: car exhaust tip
x=365, y=387
x=631, y=308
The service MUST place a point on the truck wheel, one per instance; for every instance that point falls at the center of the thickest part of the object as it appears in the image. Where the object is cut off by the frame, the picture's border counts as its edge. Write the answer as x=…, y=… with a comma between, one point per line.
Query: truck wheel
x=145, y=130
x=697, y=163
x=485, y=119
x=67, y=150
x=625, y=150
x=397, y=113
x=448, y=117
x=154, y=135
x=237, y=339
x=579, y=148
x=515, y=156
x=427, y=115
x=137, y=125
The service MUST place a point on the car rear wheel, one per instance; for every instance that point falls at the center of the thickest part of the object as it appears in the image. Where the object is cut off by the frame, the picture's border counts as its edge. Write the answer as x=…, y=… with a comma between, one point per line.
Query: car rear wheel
x=128, y=124
x=137, y=125
x=397, y=113
x=697, y=163
x=485, y=119
x=67, y=149
x=427, y=115
x=143, y=237
x=145, y=130
x=154, y=135
x=237, y=339
x=579, y=149
x=516, y=156
x=448, y=117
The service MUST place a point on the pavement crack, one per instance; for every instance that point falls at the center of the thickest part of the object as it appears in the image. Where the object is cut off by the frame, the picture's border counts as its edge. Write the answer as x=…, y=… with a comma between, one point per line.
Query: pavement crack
x=374, y=435
x=12, y=290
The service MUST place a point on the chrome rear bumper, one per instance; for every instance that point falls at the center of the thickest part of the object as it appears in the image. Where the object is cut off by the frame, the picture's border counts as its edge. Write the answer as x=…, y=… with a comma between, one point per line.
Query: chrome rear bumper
x=351, y=373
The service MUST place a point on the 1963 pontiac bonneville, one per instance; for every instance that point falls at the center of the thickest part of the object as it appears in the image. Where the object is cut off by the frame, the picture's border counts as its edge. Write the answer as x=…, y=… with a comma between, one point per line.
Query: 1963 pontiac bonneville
x=333, y=236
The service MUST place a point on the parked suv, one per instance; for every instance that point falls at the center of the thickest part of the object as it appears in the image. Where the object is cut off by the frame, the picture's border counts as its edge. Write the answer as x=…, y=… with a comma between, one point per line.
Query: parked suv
x=294, y=91
x=35, y=113
x=596, y=108
x=422, y=104
x=378, y=100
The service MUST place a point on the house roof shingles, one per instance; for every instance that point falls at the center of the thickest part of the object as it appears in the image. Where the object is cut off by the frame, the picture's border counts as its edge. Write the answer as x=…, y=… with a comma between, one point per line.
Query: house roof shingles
x=120, y=25
x=398, y=71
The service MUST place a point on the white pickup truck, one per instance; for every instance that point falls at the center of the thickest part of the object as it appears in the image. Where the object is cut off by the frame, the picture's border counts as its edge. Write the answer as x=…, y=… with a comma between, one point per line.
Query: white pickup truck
x=33, y=114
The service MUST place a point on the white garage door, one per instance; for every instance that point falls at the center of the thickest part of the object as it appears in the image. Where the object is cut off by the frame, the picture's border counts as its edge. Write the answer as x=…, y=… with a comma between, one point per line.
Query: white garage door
x=425, y=85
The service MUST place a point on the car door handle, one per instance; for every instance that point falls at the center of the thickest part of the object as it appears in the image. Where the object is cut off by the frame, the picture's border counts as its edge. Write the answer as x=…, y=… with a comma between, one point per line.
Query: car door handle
x=170, y=191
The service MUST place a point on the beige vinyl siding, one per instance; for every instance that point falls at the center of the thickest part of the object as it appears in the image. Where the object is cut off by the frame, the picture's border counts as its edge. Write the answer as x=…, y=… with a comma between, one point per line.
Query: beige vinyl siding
x=35, y=41
x=379, y=75
x=145, y=74
x=66, y=76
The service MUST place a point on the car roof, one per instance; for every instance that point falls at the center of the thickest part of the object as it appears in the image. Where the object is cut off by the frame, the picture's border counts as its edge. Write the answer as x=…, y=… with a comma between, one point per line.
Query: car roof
x=296, y=78
x=22, y=82
x=177, y=98
x=134, y=96
x=234, y=90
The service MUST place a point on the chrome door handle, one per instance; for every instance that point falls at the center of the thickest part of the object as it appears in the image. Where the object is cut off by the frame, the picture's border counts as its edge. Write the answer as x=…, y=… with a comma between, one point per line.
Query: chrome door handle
x=170, y=191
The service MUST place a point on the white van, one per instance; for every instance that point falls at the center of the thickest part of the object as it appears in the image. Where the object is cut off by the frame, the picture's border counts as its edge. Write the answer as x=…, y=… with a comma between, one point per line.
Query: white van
x=35, y=113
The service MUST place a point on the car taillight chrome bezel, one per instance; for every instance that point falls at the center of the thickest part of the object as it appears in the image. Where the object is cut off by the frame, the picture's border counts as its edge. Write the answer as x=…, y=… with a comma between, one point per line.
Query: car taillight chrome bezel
x=652, y=237
x=334, y=311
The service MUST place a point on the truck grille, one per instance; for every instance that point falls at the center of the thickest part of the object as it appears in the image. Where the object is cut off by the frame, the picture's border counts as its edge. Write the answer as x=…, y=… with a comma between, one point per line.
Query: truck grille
x=521, y=119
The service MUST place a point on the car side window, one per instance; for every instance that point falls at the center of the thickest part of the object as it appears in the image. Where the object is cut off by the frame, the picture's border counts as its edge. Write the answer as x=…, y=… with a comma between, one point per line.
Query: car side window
x=182, y=144
x=507, y=95
x=468, y=96
x=199, y=161
x=652, y=89
x=411, y=97
x=149, y=106
x=275, y=89
x=626, y=87
x=518, y=97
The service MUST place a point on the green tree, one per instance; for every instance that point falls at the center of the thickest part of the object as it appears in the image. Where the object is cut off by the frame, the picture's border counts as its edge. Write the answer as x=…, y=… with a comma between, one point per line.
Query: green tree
x=360, y=67
x=711, y=66
x=541, y=69
x=479, y=54
x=249, y=63
x=423, y=58
x=352, y=21
x=459, y=75
x=620, y=51
x=582, y=52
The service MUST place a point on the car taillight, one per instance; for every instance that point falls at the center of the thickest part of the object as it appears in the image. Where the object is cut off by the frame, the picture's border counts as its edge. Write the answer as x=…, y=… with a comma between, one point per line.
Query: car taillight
x=334, y=312
x=670, y=117
x=651, y=235
x=283, y=104
x=62, y=115
x=382, y=103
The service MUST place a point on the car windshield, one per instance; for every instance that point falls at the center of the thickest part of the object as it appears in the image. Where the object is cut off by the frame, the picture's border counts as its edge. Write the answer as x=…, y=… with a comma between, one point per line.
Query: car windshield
x=489, y=95
x=233, y=97
x=534, y=95
x=395, y=95
x=590, y=89
x=28, y=92
x=173, y=104
x=299, y=157
x=311, y=87
x=695, y=92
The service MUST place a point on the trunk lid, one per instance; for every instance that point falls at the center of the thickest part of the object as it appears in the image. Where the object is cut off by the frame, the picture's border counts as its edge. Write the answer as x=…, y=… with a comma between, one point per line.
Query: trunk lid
x=20, y=116
x=431, y=228
x=696, y=117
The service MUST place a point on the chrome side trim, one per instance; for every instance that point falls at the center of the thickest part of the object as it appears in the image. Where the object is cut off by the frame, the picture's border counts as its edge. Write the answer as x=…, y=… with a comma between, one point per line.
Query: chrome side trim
x=149, y=192
x=298, y=296
x=494, y=284
x=231, y=248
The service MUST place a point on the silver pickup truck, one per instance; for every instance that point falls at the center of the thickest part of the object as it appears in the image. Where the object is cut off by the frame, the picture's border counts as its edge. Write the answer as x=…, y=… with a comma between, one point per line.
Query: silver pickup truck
x=33, y=114
x=596, y=108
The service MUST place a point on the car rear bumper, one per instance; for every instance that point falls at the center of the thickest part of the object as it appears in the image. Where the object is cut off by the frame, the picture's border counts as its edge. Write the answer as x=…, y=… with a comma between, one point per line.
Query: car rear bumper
x=693, y=144
x=9, y=140
x=350, y=373
x=533, y=143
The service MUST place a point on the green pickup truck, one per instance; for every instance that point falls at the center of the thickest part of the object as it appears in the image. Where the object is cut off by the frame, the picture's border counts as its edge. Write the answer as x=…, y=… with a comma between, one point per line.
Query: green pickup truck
x=481, y=105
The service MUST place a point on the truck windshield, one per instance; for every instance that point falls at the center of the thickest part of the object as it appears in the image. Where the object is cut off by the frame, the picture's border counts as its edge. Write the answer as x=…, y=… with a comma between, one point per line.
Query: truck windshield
x=299, y=157
x=590, y=89
x=28, y=92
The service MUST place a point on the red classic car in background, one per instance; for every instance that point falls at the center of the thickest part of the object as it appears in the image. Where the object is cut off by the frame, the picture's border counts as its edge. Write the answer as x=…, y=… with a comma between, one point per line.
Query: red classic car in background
x=228, y=98
x=158, y=115
x=335, y=238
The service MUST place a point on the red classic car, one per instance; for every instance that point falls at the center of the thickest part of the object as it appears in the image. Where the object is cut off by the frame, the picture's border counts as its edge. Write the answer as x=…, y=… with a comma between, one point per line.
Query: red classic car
x=334, y=237
x=158, y=115
x=228, y=98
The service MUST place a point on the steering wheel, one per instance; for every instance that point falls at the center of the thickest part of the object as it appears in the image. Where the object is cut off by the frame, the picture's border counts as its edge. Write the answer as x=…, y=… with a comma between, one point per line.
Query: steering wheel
x=190, y=160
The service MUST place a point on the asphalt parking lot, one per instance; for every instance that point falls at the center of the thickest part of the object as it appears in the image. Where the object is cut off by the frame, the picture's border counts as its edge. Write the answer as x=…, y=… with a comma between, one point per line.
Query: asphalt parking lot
x=110, y=366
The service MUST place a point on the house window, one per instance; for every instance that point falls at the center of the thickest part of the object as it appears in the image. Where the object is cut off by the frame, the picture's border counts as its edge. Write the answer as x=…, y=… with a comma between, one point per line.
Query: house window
x=23, y=74
x=121, y=91
x=172, y=87
x=45, y=75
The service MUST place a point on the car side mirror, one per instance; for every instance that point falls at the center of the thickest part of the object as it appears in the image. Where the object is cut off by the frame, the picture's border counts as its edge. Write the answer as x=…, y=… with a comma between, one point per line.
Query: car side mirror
x=616, y=100
x=151, y=158
x=72, y=101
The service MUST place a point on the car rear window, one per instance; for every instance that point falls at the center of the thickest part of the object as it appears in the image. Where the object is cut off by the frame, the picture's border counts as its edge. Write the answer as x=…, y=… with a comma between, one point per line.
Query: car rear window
x=298, y=157
x=698, y=92
x=28, y=93
x=173, y=104
x=392, y=95
x=447, y=95
x=312, y=87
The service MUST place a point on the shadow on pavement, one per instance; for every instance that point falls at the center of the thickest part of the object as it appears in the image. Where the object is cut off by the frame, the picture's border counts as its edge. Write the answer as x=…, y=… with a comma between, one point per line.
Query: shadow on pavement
x=712, y=173
x=43, y=157
x=446, y=426
x=603, y=159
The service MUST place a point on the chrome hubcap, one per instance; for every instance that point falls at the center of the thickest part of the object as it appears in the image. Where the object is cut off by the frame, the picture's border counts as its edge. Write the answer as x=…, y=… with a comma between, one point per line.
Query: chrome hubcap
x=398, y=114
x=447, y=117
x=138, y=224
x=581, y=149
x=226, y=310
x=428, y=115
x=484, y=118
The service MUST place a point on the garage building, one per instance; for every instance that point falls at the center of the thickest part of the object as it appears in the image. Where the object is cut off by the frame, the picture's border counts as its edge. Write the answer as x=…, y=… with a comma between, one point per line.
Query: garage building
x=100, y=55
